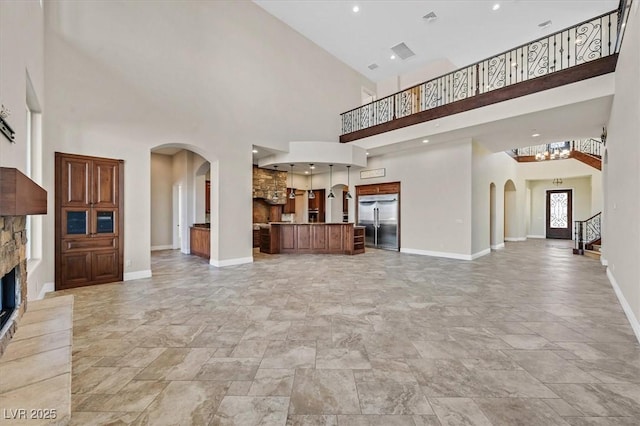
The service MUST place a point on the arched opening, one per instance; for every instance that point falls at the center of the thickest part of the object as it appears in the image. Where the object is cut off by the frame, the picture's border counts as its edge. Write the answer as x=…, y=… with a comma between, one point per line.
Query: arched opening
x=180, y=198
x=339, y=209
x=510, y=215
x=493, y=237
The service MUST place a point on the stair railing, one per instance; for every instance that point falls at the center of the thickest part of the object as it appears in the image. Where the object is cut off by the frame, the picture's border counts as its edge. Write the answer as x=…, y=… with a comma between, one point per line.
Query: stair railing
x=586, y=232
x=592, y=39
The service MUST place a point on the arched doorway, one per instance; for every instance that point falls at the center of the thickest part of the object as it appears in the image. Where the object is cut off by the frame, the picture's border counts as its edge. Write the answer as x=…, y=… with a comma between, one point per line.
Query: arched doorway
x=510, y=215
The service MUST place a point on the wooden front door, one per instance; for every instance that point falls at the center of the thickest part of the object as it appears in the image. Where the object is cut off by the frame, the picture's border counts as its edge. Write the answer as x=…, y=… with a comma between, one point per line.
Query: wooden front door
x=89, y=224
x=559, y=217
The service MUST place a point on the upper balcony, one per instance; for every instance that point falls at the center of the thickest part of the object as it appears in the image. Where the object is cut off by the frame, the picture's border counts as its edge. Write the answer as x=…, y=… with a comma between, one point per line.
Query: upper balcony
x=585, y=50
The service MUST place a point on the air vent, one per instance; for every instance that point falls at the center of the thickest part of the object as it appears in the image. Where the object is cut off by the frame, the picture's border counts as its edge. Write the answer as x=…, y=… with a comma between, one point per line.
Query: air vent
x=430, y=17
x=373, y=66
x=545, y=24
x=402, y=51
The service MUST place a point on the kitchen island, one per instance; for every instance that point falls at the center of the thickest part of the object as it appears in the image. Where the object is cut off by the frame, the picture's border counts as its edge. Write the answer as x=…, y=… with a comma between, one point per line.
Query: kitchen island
x=336, y=238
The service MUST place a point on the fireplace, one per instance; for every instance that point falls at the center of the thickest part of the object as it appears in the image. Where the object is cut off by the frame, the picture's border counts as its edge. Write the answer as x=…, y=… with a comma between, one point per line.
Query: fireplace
x=9, y=296
x=19, y=197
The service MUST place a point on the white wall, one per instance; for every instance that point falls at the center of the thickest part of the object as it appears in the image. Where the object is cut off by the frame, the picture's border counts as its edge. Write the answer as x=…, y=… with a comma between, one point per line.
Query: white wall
x=435, y=196
x=581, y=208
x=161, y=201
x=21, y=52
x=118, y=92
x=621, y=240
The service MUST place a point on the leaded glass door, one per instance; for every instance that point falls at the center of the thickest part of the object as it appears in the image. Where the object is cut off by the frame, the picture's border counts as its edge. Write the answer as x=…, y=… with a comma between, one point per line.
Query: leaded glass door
x=559, y=217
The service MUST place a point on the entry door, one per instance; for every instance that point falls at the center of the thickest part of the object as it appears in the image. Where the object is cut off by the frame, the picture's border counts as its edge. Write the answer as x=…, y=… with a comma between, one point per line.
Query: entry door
x=89, y=225
x=559, y=217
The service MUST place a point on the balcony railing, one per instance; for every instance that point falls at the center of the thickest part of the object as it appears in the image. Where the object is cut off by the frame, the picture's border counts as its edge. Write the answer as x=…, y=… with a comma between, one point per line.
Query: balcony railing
x=587, y=41
x=558, y=150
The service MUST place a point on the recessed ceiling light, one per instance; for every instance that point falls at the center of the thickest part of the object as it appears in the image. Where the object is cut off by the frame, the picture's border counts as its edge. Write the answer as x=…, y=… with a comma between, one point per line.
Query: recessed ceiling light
x=255, y=151
x=306, y=172
x=356, y=9
x=496, y=6
x=392, y=57
x=430, y=17
x=367, y=153
x=425, y=140
x=514, y=64
x=535, y=135
x=623, y=24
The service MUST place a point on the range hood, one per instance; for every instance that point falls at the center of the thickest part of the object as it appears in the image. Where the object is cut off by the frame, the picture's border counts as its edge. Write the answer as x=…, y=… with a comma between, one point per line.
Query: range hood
x=19, y=195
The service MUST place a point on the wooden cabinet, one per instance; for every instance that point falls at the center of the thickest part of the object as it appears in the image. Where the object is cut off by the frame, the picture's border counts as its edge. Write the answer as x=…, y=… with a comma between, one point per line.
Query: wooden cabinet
x=207, y=197
x=89, y=231
x=378, y=188
x=358, y=239
x=316, y=207
x=290, y=207
x=338, y=238
x=200, y=241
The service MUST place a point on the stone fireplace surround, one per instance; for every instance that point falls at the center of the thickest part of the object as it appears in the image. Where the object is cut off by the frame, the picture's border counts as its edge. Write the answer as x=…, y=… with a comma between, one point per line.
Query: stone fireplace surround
x=13, y=242
x=19, y=197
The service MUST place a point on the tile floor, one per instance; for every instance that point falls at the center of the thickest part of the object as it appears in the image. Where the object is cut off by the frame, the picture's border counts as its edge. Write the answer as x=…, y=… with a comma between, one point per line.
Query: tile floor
x=528, y=335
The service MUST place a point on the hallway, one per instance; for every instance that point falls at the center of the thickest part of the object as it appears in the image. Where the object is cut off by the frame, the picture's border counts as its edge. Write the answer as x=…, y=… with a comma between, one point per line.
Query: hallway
x=529, y=334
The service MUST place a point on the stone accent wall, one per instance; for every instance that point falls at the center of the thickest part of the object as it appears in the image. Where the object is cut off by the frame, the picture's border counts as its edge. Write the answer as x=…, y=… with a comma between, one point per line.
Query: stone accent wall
x=13, y=250
x=266, y=182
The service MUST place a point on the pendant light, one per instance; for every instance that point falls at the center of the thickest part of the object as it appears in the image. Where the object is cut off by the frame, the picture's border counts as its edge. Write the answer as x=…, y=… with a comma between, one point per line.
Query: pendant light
x=292, y=194
x=275, y=193
x=331, y=182
x=311, y=194
x=348, y=196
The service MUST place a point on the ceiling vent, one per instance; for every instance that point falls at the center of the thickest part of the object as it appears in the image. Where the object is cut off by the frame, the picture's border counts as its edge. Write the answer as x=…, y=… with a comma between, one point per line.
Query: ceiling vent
x=373, y=66
x=430, y=17
x=545, y=24
x=402, y=51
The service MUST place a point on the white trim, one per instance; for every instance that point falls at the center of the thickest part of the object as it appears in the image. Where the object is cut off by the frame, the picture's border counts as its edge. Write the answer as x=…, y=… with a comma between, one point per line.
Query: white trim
x=497, y=246
x=164, y=247
x=137, y=275
x=230, y=262
x=536, y=236
x=603, y=261
x=484, y=252
x=633, y=321
x=512, y=239
x=46, y=288
x=456, y=256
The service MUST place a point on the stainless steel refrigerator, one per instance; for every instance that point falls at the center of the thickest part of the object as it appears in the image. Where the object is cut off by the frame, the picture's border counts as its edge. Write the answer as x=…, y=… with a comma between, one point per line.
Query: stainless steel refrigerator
x=379, y=215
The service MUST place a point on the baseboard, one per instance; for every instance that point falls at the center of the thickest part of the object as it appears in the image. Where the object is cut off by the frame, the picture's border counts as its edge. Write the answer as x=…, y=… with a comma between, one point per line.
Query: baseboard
x=497, y=246
x=46, y=288
x=446, y=255
x=165, y=247
x=536, y=236
x=514, y=239
x=484, y=252
x=230, y=262
x=633, y=321
x=137, y=275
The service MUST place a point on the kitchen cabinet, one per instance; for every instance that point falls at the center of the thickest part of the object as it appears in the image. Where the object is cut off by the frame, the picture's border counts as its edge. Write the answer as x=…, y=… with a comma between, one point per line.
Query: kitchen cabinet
x=200, y=241
x=317, y=206
x=290, y=207
x=207, y=197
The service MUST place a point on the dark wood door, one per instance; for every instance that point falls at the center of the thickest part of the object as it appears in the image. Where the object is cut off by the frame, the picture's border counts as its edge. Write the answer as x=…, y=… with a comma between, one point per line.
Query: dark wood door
x=559, y=213
x=89, y=223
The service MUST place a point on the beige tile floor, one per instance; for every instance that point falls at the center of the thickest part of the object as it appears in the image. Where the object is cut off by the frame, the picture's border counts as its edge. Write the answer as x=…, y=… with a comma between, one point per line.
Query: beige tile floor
x=528, y=335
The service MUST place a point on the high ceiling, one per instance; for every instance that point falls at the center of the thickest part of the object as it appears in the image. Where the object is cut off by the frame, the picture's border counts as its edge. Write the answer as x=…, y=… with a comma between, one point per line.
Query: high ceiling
x=464, y=32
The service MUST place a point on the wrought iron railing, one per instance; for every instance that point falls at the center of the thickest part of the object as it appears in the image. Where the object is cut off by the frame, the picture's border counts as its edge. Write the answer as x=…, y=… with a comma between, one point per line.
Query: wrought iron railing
x=589, y=40
x=589, y=146
x=586, y=232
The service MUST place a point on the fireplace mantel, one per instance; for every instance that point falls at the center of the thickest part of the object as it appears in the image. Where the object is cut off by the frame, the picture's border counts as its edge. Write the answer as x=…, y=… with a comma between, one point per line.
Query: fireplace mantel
x=19, y=195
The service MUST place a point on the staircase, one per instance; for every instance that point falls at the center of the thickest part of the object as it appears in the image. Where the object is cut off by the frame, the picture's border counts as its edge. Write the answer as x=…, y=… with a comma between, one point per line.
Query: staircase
x=587, y=236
